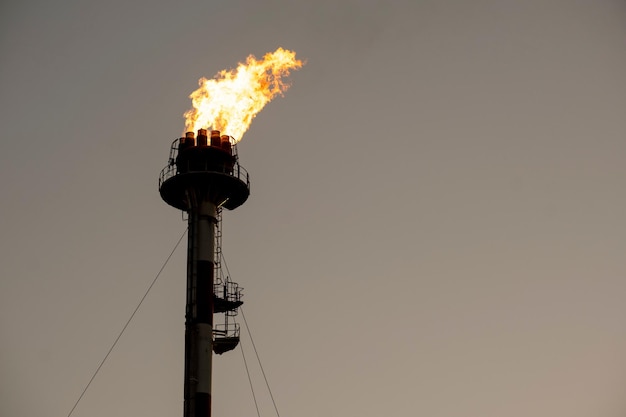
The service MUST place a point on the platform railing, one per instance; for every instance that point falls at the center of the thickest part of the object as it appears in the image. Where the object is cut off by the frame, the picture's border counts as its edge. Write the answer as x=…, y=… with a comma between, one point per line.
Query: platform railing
x=237, y=171
x=226, y=330
x=172, y=169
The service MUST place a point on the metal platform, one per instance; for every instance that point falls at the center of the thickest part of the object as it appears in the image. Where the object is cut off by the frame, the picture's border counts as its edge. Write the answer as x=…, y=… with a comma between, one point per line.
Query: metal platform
x=213, y=172
x=225, y=337
x=224, y=344
x=221, y=305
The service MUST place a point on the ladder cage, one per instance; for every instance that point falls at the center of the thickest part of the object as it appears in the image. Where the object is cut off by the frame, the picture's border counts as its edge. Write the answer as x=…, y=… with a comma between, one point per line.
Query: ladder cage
x=224, y=288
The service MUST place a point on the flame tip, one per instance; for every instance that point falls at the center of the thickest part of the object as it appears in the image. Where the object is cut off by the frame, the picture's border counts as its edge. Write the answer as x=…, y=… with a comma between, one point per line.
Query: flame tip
x=234, y=97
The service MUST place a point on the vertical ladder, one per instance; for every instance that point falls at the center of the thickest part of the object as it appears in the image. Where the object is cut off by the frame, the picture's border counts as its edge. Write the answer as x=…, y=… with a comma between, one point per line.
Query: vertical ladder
x=226, y=295
x=219, y=276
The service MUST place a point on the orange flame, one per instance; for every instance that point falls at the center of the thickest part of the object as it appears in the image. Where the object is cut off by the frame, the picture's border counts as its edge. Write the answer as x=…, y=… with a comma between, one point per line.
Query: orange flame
x=233, y=98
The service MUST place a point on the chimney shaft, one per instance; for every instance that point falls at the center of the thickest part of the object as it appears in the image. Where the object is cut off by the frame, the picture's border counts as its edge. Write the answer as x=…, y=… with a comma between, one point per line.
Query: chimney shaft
x=201, y=179
x=199, y=309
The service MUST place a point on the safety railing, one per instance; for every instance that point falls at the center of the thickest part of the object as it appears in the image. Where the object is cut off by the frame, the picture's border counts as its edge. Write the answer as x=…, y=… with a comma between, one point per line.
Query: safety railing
x=223, y=330
x=229, y=291
x=172, y=169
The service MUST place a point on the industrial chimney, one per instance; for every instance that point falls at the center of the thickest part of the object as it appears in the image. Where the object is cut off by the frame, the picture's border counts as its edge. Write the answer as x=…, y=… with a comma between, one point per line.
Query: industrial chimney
x=204, y=175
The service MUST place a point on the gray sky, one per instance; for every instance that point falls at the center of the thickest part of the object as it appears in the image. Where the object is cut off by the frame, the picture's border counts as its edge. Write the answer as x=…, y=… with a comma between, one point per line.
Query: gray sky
x=436, y=225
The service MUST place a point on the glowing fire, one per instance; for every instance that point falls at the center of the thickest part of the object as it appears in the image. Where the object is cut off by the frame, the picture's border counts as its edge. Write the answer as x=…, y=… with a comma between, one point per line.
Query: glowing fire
x=233, y=98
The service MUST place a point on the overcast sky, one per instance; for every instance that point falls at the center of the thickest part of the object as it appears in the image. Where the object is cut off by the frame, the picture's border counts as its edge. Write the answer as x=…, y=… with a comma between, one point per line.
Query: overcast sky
x=436, y=224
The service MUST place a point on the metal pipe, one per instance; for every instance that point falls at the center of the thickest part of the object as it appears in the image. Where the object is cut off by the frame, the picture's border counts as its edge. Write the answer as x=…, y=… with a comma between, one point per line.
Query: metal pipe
x=199, y=317
x=216, y=140
x=202, y=137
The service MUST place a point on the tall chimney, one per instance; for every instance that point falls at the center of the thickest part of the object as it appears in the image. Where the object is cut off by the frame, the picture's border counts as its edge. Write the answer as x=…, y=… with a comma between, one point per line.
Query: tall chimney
x=200, y=179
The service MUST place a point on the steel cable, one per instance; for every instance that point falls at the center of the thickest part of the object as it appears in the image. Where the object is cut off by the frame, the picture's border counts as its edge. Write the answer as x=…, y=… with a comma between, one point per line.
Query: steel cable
x=259, y=360
x=249, y=380
x=126, y=325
